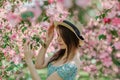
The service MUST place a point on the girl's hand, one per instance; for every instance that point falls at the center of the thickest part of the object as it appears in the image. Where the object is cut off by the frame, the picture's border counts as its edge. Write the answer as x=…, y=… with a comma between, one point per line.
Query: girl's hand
x=27, y=50
x=50, y=34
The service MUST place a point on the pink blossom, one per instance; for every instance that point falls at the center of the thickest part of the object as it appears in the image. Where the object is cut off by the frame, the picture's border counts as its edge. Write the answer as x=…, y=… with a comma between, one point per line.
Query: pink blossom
x=14, y=36
x=12, y=53
x=107, y=61
x=103, y=30
x=117, y=45
x=16, y=59
x=119, y=6
x=119, y=32
x=67, y=3
x=36, y=11
x=0, y=78
x=51, y=11
x=115, y=69
x=118, y=54
x=60, y=0
x=50, y=1
x=92, y=43
x=106, y=20
x=112, y=14
x=116, y=21
x=93, y=68
x=44, y=25
x=56, y=12
x=9, y=27
x=107, y=4
x=13, y=18
x=42, y=36
x=103, y=55
x=37, y=2
x=93, y=53
x=1, y=26
x=109, y=49
x=83, y=3
x=90, y=68
x=6, y=51
x=87, y=68
x=51, y=49
x=3, y=67
x=109, y=38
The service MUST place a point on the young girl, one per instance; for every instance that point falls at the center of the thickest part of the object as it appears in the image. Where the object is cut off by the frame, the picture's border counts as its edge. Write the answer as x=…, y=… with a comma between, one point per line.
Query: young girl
x=65, y=63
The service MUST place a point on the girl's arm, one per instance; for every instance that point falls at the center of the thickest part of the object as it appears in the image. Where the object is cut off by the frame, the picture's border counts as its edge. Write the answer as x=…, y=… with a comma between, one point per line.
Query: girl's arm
x=28, y=59
x=42, y=59
x=32, y=69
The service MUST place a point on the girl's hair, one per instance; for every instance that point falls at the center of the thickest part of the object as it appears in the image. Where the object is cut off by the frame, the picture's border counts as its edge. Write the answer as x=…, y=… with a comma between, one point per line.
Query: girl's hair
x=70, y=40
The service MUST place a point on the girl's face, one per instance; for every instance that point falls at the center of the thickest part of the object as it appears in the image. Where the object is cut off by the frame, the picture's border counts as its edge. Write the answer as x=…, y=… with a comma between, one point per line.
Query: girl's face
x=60, y=41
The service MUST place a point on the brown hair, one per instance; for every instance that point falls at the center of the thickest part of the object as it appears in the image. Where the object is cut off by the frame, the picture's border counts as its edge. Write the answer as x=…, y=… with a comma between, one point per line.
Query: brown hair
x=70, y=40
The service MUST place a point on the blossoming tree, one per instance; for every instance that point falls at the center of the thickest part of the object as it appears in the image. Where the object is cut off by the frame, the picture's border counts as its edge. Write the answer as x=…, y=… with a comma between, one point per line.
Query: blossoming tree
x=22, y=20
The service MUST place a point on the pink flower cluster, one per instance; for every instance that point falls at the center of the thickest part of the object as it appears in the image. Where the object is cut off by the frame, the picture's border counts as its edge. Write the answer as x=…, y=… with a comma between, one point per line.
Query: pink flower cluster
x=101, y=38
x=56, y=12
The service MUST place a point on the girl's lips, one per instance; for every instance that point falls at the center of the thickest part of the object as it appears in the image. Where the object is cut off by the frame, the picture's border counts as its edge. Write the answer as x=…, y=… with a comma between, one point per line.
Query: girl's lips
x=60, y=44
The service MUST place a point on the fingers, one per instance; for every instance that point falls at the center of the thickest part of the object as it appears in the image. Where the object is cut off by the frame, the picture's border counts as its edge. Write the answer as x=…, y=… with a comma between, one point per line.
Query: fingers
x=26, y=46
x=51, y=27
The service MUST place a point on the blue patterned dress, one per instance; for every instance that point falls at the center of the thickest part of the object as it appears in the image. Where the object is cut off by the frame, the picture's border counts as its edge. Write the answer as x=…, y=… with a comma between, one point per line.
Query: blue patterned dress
x=66, y=71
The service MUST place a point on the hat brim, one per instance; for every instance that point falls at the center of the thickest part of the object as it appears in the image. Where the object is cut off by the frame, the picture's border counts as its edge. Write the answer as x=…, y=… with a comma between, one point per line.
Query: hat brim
x=70, y=26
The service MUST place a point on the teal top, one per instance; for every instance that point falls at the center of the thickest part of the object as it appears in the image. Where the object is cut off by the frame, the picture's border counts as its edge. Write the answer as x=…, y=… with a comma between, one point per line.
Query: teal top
x=66, y=71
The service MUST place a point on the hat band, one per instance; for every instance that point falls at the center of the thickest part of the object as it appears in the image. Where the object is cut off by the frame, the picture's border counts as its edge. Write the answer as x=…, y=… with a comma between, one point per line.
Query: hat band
x=74, y=28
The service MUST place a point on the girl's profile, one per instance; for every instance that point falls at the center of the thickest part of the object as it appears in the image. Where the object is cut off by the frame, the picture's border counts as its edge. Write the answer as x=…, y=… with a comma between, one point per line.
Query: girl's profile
x=65, y=63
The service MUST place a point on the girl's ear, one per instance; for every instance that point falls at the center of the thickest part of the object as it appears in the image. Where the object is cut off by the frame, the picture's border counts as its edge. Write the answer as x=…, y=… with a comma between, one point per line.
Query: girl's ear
x=81, y=42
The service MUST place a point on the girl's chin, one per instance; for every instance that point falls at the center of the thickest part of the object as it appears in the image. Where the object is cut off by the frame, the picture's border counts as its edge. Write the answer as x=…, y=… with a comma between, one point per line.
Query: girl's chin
x=62, y=47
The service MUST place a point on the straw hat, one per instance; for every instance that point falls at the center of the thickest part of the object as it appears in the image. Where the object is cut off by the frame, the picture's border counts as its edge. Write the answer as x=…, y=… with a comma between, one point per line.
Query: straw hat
x=75, y=27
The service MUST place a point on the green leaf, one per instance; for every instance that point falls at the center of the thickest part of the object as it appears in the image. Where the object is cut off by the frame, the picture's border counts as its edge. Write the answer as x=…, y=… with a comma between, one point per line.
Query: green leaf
x=4, y=45
x=2, y=57
x=20, y=65
x=24, y=40
x=0, y=63
x=1, y=2
x=103, y=15
x=36, y=38
x=27, y=14
x=0, y=72
x=16, y=49
x=23, y=29
x=115, y=61
x=43, y=30
x=45, y=18
x=6, y=38
x=0, y=30
x=102, y=36
x=39, y=19
x=46, y=3
x=114, y=33
x=15, y=69
x=10, y=68
x=96, y=17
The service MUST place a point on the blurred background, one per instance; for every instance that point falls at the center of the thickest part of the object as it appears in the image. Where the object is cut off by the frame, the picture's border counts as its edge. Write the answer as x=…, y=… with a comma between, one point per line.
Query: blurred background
x=22, y=20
